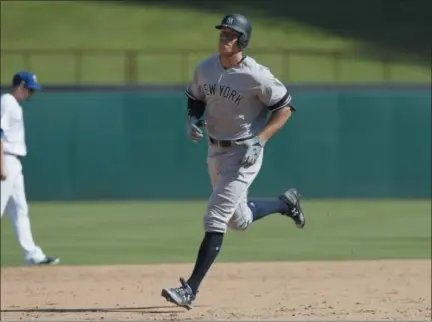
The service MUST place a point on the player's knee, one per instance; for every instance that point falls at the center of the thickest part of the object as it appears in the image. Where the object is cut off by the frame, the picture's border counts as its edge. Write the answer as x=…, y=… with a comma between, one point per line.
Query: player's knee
x=241, y=219
x=240, y=224
x=237, y=227
x=215, y=224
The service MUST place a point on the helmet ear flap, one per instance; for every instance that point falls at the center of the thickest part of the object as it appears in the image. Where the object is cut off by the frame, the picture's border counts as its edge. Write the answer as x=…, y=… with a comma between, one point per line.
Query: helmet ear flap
x=242, y=41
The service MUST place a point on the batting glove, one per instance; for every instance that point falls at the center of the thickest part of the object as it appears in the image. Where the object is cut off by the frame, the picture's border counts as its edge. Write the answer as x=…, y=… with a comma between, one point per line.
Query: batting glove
x=254, y=148
x=193, y=129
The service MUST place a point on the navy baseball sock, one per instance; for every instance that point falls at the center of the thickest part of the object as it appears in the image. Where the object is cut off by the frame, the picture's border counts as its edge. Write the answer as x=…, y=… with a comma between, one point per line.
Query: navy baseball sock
x=263, y=208
x=207, y=254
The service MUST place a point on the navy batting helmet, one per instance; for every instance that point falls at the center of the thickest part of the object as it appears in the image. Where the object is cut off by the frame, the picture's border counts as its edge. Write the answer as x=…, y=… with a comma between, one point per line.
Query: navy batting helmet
x=239, y=23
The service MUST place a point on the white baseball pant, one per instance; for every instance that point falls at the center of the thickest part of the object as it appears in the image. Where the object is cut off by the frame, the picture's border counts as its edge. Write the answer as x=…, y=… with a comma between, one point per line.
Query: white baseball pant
x=14, y=203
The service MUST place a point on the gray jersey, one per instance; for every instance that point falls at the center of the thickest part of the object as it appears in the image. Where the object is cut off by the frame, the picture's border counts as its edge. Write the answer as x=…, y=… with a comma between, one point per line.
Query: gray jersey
x=237, y=99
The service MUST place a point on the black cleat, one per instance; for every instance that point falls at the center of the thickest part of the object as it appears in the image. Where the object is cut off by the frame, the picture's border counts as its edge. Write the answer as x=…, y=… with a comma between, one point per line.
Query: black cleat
x=294, y=211
x=46, y=261
x=181, y=296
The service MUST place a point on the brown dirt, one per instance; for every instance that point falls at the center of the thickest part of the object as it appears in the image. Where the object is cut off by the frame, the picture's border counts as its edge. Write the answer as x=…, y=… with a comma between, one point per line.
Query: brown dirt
x=360, y=291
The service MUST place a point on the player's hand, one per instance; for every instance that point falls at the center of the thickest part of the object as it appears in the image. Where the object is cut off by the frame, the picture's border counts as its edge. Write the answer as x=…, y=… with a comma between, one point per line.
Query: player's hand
x=2, y=175
x=193, y=129
x=254, y=148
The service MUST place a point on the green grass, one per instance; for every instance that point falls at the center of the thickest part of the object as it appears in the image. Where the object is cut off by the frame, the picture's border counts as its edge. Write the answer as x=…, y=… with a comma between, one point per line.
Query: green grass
x=154, y=232
x=89, y=25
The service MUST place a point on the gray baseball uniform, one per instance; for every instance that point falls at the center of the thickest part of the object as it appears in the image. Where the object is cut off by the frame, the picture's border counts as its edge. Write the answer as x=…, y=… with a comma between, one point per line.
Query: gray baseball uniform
x=238, y=101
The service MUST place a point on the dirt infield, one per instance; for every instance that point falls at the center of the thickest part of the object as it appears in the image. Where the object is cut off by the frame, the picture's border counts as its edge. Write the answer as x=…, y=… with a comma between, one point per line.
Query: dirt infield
x=375, y=290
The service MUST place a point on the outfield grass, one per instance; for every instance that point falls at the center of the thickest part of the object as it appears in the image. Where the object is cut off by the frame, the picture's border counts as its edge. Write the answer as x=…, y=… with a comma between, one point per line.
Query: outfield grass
x=153, y=232
x=90, y=25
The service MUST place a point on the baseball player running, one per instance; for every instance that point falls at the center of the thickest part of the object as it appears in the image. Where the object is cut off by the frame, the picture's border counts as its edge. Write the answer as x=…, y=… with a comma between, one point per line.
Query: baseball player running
x=13, y=148
x=236, y=94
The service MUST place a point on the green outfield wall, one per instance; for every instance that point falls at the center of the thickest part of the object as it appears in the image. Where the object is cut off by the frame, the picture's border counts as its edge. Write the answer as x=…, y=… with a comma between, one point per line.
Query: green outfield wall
x=131, y=144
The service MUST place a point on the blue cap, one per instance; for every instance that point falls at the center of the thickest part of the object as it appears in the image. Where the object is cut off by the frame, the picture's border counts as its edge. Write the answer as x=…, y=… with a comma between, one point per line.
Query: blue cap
x=27, y=79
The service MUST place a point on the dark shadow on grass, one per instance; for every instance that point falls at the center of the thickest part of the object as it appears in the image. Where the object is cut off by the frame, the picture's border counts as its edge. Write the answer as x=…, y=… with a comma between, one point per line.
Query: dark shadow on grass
x=141, y=310
x=396, y=26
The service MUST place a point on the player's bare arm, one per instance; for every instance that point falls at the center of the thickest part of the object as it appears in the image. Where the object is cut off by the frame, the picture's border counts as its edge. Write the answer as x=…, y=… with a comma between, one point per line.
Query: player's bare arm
x=275, y=96
x=275, y=123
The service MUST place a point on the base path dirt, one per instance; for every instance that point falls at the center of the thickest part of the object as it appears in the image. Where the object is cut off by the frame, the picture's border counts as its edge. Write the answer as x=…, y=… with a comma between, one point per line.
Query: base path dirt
x=307, y=291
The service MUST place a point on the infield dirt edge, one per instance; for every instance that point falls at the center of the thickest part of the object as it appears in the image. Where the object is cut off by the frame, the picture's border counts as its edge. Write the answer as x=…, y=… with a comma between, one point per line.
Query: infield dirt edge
x=289, y=291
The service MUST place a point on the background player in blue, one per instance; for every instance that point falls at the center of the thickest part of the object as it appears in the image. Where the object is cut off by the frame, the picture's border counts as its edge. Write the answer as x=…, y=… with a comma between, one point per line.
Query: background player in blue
x=236, y=95
x=13, y=149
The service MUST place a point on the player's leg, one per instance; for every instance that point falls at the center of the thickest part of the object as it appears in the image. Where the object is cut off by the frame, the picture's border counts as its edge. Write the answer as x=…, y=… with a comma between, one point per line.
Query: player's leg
x=12, y=168
x=227, y=206
x=288, y=205
x=229, y=185
x=210, y=240
x=249, y=211
x=6, y=191
x=17, y=210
